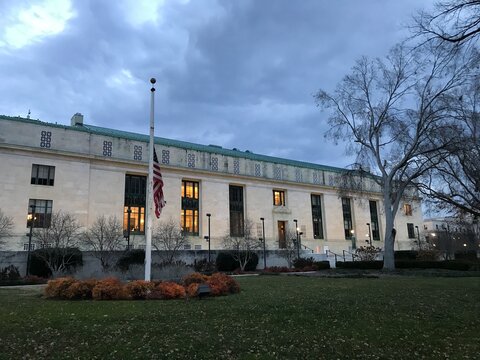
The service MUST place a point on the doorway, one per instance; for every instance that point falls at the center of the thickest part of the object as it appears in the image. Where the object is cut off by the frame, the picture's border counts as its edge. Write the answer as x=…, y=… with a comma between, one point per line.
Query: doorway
x=282, y=244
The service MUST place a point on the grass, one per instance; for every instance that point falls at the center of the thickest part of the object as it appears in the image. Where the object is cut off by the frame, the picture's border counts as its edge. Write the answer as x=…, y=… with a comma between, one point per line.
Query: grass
x=274, y=317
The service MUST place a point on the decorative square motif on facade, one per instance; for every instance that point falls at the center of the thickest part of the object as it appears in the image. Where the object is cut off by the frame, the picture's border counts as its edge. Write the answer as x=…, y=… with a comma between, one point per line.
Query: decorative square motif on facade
x=214, y=163
x=166, y=157
x=45, y=139
x=191, y=160
x=315, y=177
x=298, y=175
x=277, y=172
x=107, y=148
x=257, y=170
x=137, y=152
x=236, y=166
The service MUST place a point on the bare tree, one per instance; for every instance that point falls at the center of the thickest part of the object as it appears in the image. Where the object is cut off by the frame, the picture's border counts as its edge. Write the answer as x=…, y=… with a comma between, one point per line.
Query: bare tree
x=59, y=242
x=395, y=115
x=290, y=251
x=454, y=184
x=6, y=227
x=104, y=237
x=169, y=239
x=452, y=21
x=243, y=247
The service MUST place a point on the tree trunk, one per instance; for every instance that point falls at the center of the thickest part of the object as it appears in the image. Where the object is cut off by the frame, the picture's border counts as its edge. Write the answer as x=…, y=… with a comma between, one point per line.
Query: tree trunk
x=388, y=249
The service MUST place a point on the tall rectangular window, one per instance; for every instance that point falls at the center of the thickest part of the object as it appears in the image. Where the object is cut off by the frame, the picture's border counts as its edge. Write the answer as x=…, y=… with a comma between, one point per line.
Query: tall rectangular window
x=190, y=204
x=236, y=210
x=411, y=231
x=317, y=216
x=278, y=197
x=374, y=220
x=134, y=204
x=347, y=218
x=407, y=209
x=40, y=212
x=42, y=175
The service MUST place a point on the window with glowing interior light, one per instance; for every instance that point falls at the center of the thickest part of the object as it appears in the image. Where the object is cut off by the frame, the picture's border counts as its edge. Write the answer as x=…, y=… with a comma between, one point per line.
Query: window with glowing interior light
x=134, y=204
x=189, y=217
x=278, y=197
x=40, y=212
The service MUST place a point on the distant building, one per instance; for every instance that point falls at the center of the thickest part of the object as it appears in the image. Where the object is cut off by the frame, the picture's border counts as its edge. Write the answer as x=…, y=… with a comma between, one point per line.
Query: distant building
x=90, y=171
x=451, y=234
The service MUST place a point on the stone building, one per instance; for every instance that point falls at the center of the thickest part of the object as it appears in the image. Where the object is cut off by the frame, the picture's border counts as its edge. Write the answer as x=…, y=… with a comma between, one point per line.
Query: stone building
x=90, y=171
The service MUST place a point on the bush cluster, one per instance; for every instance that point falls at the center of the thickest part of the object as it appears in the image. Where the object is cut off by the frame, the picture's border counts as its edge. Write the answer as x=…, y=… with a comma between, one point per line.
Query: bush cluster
x=226, y=262
x=38, y=266
x=9, y=273
x=309, y=264
x=112, y=289
x=204, y=266
x=414, y=264
x=466, y=255
x=375, y=264
x=131, y=257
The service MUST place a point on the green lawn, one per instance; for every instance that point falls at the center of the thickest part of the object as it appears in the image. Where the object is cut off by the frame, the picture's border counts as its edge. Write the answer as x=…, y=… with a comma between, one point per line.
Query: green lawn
x=274, y=317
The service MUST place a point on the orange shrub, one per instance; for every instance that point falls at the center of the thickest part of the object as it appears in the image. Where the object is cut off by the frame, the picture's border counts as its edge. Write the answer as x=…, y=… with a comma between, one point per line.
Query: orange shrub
x=191, y=290
x=109, y=289
x=167, y=290
x=57, y=288
x=221, y=284
x=80, y=289
x=139, y=289
x=194, y=278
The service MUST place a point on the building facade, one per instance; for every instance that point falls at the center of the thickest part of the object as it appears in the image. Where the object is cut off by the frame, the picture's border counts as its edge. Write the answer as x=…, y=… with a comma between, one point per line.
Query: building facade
x=90, y=171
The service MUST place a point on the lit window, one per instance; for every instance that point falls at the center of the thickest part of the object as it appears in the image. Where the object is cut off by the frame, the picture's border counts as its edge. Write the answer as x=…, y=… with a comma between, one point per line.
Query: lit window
x=189, y=215
x=134, y=203
x=407, y=208
x=40, y=212
x=278, y=198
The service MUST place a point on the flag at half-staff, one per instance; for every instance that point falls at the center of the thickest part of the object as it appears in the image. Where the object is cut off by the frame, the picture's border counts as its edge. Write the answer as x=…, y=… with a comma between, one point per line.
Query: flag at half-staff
x=158, y=198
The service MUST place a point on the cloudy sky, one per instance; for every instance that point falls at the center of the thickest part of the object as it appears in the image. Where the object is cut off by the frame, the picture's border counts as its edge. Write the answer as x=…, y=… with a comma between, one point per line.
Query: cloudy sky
x=235, y=73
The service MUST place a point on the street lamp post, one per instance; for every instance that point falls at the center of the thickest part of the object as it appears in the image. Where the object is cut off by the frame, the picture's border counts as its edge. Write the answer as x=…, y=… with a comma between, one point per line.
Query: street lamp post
x=264, y=246
x=369, y=234
x=354, y=244
x=298, y=242
x=418, y=237
x=208, y=216
x=129, y=212
x=30, y=239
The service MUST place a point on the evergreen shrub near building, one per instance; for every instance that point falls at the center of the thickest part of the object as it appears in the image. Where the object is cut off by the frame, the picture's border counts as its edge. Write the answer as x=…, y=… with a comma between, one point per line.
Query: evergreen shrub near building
x=226, y=262
x=374, y=264
x=131, y=257
x=42, y=260
x=309, y=264
x=466, y=255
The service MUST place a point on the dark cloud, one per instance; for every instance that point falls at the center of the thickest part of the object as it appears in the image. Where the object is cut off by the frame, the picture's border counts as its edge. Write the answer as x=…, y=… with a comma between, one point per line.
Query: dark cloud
x=234, y=73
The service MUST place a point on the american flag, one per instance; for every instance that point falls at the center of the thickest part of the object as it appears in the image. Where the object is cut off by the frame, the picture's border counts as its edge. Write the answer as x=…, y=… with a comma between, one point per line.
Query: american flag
x=158, y=198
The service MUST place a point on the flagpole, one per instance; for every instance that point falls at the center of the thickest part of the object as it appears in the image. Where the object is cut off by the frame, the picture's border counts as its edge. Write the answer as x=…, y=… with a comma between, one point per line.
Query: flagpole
x=148, y=229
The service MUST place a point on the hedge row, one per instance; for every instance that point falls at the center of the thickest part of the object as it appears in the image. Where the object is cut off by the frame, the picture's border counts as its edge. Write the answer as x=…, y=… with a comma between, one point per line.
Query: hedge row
x=413, y=264
x=112, y=289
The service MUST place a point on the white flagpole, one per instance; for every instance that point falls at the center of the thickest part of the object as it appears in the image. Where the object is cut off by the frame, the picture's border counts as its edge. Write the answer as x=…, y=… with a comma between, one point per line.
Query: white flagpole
x=148, y=229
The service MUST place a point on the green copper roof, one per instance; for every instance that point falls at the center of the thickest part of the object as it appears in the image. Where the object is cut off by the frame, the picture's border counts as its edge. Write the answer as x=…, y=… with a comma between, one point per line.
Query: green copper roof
x=177, y=143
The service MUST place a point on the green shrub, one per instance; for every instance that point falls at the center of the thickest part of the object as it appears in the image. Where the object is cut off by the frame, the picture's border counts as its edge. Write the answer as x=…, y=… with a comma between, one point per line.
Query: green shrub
x=466, y=255
x=406, y=255
x=226, y=262
x=131, y=257
x=300, y=263
x=39, y=267
x=204, y=266
x=375, y=264
x=322, y=265
x=10, y=273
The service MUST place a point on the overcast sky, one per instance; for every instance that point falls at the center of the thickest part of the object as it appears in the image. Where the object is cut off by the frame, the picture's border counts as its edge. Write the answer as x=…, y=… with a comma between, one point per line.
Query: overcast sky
x=234, y=73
